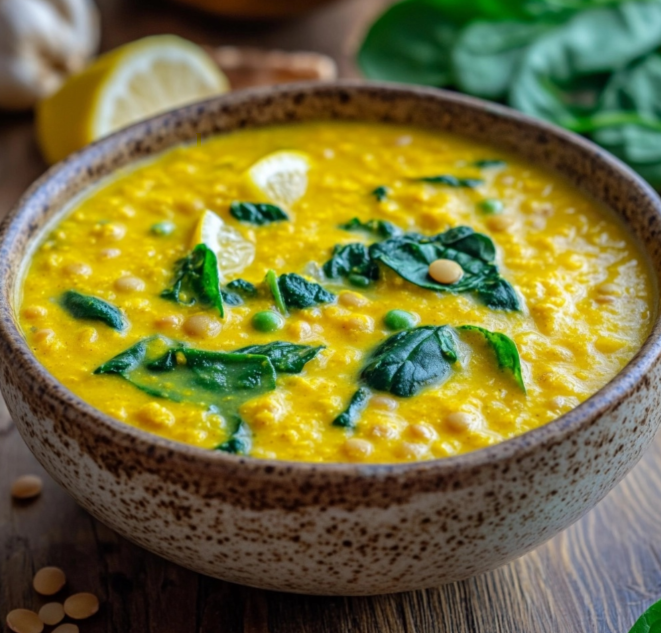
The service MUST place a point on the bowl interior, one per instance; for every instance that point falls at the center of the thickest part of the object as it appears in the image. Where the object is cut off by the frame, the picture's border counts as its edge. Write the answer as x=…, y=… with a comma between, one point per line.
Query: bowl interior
x=582, y=163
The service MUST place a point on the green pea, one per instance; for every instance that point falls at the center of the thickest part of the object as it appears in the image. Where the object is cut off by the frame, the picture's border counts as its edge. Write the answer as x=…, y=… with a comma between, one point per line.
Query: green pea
x=267, y=321
x=358, y=280
x=163, y=228
x=491, y=206
x=399, y=320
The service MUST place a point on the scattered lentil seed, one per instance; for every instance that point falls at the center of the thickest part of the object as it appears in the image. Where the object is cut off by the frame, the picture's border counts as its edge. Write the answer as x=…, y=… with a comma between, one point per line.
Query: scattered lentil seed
x=422, y=431
x=384, y=402
x=51, y=613
x=26, y=487
x=79, y=269
x=445, y=271
x=201, y=326
x=459, y=421
x=67, y=628
x=24, y=621
x=169, y=321
x=35, y=312
x=45, y=335
x=81, y=606
x=129, y=283
x=49, y=580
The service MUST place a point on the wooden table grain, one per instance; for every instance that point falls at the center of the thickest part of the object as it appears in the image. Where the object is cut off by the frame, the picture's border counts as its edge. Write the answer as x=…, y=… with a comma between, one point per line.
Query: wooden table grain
x=597, y=576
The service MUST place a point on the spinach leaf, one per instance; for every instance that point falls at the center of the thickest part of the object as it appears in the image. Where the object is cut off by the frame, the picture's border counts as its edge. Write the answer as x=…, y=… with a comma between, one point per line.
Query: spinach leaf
x=287, y=358
x=411, y=42
x=565, y=71
x=463, y=11
x=409, y=360
x=628, y=123
x=506, y=351
x=452, y=181
x=221, y=381
x=240, y=440
x=487, y=54
x=271, y=281
x=411, y=254
x=650, y=621
x=243, y=288
x=82, y=306
x=380, y=228
x=349, y=417
x=298, y=292
x=196, y=280
x=352, y=261
x=380, y=193
x=258, y=213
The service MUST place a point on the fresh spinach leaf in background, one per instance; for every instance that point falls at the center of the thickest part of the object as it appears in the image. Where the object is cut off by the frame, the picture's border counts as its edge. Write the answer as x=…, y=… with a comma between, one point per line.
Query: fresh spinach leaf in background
x=349, y=417
x=258, y=213
x=196, y=280
x=487, y=54
x=507, y=354
x=564, y=72
x=410, y=360
x=411, y=254
x=410, y=42
x=82, y=306
x=631, y=104
x=650, y=621
x=298, y=292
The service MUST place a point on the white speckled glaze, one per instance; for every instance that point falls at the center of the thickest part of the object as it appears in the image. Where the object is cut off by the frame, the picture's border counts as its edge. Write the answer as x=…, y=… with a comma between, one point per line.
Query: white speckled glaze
x=334, y=528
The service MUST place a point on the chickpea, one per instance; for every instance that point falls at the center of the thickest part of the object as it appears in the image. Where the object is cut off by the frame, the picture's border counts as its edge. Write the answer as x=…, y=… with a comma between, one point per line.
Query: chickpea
x=357, y=449
x=384, y=402
x=34, y=312
x=78, y=269
x=202, y=326
x=353, y=299
x=459, y=421
x=359, y=323
x=44, y=336
x=422, y=431
x=110, y=253
x=170, y=321
x=445, y=271
x=128, y=283
x=411, y=450
x=500, y=223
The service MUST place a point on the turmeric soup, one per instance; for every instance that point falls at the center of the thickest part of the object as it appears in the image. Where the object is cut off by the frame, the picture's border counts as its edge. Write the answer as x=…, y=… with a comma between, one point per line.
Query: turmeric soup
x=336, y=291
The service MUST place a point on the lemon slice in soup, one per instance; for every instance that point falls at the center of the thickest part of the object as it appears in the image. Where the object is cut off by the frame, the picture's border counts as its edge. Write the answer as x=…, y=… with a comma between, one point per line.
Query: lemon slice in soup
x=282, y=177
x=234, y=252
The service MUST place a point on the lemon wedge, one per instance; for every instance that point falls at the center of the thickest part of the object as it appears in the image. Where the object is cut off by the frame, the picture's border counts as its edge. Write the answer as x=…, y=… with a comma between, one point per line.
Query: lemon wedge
x=124, y=86
x=281, y=177
x=234, y=252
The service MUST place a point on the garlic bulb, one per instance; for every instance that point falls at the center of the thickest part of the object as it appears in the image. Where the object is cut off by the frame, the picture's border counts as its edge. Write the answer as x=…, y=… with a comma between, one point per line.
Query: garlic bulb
x=41, y=43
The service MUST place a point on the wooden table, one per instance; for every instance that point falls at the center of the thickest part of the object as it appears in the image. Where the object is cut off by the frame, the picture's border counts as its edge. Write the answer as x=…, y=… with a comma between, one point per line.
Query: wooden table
x=597, y=576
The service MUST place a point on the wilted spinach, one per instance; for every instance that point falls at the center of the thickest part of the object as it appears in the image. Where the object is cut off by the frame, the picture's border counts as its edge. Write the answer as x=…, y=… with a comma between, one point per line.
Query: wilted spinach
x=452, y=181
x=411, y=254
x=82, y=306
x=196, y=280
x=349, y=417
x=271, y=281
x=353, y=262
x=379, y=228
x=258, y=213
x=298, y=292
x=380, y=193
x=287, y=358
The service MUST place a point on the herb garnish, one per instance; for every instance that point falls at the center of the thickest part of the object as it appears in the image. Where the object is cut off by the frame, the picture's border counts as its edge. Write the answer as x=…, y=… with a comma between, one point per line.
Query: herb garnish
x=380, y=193
x=82, y=306
x=452, y=181
x=258, y=213
x=379, y=228
x=411, y=254
x=196, y=280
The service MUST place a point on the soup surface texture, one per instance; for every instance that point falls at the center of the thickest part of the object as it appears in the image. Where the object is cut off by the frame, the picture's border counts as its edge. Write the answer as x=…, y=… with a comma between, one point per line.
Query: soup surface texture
x=368, y=360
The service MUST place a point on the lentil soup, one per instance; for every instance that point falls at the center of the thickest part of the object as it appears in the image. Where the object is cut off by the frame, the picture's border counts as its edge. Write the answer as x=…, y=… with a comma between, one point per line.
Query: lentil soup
x=334, y=292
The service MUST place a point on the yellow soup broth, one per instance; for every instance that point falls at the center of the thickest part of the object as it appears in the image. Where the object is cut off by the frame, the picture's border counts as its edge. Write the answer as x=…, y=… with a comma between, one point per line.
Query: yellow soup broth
x=582, y=283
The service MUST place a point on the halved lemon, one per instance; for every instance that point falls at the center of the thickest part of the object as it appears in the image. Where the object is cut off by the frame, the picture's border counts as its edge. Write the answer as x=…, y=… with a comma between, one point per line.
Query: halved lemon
x=281, y=177
x=234, y=252
x=129, y=84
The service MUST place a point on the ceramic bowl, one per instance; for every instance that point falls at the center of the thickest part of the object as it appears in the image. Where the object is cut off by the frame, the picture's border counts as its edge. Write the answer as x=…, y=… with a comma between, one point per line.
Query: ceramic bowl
x=333, y=528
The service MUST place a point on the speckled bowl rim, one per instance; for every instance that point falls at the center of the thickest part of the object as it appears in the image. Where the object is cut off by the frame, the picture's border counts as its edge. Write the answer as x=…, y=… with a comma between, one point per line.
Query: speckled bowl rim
x=613, y=393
